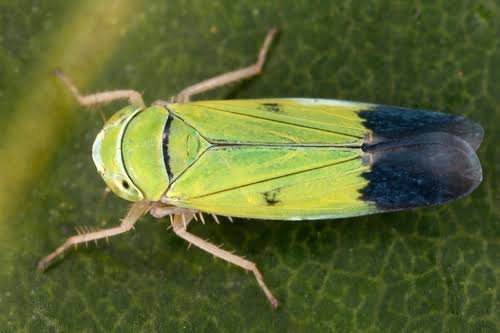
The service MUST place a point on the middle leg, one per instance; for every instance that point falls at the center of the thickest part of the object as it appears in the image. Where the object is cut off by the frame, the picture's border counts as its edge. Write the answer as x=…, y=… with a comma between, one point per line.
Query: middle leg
x=224, y=79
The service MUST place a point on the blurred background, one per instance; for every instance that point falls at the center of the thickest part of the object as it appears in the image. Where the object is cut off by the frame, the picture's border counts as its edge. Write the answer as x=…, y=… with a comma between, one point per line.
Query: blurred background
x=427, y=270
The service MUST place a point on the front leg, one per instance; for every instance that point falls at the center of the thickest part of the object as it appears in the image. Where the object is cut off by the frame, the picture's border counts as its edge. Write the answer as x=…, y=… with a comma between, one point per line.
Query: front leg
x=179, y=227
x=137, y=210
x=134, y=97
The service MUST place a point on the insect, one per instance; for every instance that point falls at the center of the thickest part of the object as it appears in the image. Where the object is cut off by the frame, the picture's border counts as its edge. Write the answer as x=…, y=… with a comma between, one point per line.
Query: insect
x=282, y=159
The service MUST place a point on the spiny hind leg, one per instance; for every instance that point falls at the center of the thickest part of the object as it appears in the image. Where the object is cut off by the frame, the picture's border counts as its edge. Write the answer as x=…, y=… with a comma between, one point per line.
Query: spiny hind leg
x=137, y=210
x=160, y=209
x=180, y=229
x=134, y=97
x=226, y=78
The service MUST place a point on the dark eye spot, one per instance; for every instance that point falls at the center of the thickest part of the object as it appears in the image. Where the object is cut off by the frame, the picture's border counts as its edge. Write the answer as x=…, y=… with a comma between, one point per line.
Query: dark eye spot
x=125, y=185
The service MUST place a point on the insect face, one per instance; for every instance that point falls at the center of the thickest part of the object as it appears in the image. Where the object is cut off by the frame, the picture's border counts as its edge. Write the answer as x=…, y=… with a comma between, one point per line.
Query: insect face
x=107, y=155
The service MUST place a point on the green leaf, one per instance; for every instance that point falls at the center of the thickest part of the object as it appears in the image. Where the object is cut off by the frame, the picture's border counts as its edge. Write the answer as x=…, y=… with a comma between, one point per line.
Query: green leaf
x=434, y=269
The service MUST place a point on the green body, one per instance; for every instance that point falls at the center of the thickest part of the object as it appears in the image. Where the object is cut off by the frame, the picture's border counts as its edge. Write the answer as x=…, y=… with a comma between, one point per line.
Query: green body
x=282, y=158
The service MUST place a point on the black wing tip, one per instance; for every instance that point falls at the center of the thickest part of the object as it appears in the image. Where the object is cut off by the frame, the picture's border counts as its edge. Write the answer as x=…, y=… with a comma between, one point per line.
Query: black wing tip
x=424, y=170
x=475, y=135
x=390, y=122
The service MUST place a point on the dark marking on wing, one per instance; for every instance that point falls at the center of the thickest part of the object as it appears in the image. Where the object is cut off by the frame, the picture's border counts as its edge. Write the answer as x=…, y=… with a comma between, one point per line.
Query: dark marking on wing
x=390, y=122
x=419, y=171
x=166, y=134
x=272, y=107
x=271, y=197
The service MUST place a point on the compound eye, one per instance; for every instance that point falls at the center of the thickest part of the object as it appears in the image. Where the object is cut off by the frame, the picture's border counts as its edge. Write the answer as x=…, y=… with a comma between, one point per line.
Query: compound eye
x=124, y=188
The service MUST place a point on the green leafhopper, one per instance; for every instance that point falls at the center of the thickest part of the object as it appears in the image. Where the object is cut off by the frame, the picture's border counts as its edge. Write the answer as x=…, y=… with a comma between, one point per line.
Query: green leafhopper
x=282, y=159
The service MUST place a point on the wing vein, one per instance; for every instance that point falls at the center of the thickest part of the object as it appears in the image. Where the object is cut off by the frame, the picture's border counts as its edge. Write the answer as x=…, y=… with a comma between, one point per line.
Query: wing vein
x=285, y=122
x=274, y=178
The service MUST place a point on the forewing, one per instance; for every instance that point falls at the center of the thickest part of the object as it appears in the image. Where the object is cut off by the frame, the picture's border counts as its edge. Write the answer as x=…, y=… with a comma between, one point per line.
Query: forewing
x=317, y=122
x=275, y=121
x=271, y=183
x=324, y=182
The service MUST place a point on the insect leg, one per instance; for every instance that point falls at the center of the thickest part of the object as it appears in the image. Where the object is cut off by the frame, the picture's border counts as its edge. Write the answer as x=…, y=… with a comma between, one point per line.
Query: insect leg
x=136, y=211
x=226, y=78
x=180, y=230
x=104, y=97
x=160, y=211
